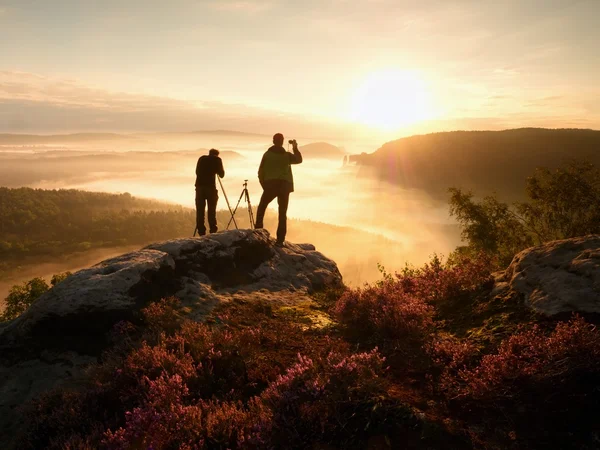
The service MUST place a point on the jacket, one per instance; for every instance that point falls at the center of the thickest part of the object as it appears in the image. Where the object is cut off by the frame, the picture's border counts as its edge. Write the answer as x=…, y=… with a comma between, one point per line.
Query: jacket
x=207, y=167
x=276, y=165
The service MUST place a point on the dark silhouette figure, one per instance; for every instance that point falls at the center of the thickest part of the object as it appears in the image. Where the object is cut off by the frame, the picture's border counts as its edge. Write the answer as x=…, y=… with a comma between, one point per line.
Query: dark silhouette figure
x=206, y=190
x=277, y=181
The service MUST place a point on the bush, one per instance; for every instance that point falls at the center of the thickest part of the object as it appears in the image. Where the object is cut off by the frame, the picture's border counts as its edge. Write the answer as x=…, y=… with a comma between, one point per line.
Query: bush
x=167, y=419
x=197, y=386
x=531, y=357
x=400, y=309
x=563, y=203
x=438, y=283
x=537, y=387
x=21, y=297
x=338, y=400
x=385, y=314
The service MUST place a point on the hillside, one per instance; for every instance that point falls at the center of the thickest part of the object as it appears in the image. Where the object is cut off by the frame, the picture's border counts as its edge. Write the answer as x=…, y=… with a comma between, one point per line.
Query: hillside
x=482, y=161
x=227, y=341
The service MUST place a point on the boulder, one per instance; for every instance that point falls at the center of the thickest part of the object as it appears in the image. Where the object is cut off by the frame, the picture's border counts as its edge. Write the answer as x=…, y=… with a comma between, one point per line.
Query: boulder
x=66, y=329
x=557, y=277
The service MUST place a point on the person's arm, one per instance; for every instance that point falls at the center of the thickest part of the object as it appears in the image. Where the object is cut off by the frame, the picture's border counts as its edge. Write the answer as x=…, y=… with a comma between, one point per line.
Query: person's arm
x=261, y=171
x=220, y=170
x=296, y=157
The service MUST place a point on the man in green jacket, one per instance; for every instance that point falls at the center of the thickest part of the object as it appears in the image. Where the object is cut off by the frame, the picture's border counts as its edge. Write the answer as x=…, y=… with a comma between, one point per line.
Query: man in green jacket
x=277, y=181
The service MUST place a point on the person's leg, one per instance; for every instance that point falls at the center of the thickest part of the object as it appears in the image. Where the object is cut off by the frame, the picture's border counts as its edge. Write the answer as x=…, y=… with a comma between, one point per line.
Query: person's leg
x=200, y=205
x=283, y=200
x=212, y=200
x=267, y=197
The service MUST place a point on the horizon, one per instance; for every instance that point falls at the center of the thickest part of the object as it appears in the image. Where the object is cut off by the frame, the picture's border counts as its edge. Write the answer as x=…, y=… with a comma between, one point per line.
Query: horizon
x=244, y=133
x=254, y=66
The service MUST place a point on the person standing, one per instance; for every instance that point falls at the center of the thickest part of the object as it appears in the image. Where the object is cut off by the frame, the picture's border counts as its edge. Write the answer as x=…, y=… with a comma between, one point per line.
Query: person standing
x=207, y=168
x=276, y=178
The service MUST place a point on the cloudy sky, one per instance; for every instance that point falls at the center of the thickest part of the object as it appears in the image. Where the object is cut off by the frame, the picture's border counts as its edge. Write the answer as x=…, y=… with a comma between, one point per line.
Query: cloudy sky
x=314, y=66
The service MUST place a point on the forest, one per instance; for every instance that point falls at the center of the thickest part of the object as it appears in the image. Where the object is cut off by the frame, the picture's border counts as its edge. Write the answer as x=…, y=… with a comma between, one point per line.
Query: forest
x=37, y=222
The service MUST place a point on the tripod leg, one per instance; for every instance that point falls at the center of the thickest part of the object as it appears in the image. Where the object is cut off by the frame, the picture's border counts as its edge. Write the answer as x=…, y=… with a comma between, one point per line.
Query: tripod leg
x=228, y=205
x=234, y=211
x=250, y=213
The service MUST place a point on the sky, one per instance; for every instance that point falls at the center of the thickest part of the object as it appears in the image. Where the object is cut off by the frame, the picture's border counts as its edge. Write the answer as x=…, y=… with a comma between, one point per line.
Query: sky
x=312, y=67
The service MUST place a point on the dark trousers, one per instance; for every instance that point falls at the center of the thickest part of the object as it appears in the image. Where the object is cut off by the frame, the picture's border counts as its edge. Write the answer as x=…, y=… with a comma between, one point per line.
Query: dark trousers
x=280, y=190
x=206, y=195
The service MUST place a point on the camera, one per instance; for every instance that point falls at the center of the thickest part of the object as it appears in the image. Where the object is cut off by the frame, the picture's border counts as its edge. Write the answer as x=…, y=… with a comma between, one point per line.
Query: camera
x=292, y=141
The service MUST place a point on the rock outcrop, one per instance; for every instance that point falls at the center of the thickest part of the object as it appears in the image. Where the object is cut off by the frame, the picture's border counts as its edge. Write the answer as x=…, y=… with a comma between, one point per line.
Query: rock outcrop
x=557, y=277
x=66, y=329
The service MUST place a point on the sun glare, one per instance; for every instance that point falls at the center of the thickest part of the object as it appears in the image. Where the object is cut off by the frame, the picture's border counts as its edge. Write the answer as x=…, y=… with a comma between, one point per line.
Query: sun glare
x=389, y=100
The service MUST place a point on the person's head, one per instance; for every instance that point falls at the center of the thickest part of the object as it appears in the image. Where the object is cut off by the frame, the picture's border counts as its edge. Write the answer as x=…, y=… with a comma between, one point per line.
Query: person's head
x=278, y=139
x=213, y=152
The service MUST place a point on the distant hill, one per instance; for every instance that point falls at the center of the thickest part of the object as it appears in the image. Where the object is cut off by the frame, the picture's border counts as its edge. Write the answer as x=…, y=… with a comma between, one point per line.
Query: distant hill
x=227, y=133
x=482, y=161
x=32, y=139
x=321, y=150
x=77, y=138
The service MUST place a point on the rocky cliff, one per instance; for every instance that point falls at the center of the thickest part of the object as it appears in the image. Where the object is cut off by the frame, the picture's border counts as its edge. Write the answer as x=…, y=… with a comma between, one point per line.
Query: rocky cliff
x=66, y=329
x=557, y=277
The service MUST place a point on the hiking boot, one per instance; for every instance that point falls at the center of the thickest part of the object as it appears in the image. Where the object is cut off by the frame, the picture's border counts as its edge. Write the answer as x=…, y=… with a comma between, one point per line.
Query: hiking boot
x=280, y=244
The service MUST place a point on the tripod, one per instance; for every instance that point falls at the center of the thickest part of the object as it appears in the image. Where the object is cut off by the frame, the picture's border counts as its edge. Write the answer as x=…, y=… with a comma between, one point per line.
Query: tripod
x=246, y=196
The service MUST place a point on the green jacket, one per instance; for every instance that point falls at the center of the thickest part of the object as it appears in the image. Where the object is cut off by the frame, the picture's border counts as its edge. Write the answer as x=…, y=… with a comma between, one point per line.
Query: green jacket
x=276, y=165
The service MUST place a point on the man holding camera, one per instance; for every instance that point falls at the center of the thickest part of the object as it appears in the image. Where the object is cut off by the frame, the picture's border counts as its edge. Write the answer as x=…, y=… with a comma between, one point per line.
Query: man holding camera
x=207, y=168
x=277, y=181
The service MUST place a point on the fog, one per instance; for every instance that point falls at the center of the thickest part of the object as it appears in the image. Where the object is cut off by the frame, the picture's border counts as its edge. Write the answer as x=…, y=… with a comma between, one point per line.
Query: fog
x=357, y=220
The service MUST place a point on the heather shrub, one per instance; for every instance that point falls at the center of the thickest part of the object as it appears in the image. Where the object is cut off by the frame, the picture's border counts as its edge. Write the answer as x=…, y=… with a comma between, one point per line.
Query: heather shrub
x=338, y=399
x=437, y=282
x=531, y=356
x=162, y=316
x=168, y=418
x=385, y=314
x=541, y=385
x=62, y=419
x=399, y=310
x=449, y=355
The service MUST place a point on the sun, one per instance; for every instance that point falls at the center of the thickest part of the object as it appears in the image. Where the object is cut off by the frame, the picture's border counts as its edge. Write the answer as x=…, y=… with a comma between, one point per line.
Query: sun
x=391, y=99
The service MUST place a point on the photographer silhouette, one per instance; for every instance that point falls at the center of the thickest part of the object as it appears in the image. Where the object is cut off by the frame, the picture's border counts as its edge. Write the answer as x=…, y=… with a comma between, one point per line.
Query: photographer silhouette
x=276, y=178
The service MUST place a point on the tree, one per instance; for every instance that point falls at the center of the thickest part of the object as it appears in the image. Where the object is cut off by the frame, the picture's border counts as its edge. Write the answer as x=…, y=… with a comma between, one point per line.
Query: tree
x=21, y=296
x=563, y=203
x=489, y=226
x=57, y=278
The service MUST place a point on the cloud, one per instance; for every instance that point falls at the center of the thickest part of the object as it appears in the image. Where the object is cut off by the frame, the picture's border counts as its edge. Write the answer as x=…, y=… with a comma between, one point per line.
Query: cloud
x=506, y=72
x=245, y=6
x=36, y=103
